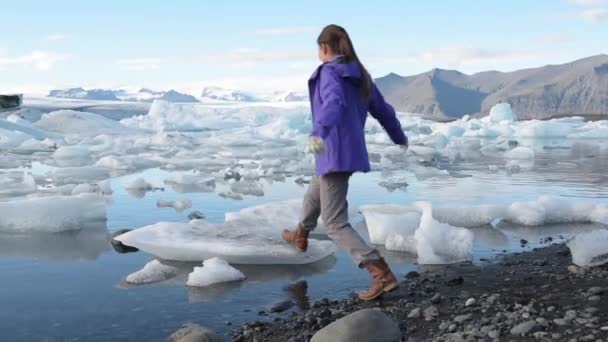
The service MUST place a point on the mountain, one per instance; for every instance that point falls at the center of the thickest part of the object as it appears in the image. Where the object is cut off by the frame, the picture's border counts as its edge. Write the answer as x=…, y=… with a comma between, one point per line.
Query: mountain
x=80, y=93
x=288, y=96
x=223, y=94
x=143, y=95
x=579, y=87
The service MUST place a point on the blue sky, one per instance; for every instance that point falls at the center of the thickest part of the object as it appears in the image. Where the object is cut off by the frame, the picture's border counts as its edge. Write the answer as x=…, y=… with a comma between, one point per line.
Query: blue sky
x=271, y=44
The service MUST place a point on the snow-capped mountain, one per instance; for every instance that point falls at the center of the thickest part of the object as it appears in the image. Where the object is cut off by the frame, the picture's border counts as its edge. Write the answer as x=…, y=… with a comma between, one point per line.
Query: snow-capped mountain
x=223, y=94
x=288, y=96
x=81, y=94
x=209, y=94
x=143, y=95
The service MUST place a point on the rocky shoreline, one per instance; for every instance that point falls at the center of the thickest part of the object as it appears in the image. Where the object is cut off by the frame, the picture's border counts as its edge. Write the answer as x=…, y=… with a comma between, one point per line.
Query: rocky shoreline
x=534, y=295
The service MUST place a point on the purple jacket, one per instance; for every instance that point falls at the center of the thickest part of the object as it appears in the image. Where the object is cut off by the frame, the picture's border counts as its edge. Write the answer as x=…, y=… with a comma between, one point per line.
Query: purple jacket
x=339, y=112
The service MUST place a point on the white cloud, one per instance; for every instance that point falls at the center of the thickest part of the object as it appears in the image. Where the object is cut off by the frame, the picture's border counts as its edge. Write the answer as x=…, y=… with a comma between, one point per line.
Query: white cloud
x=40, y=60
x=286, y=31
x=56, y=37
x=455, y=57
x=586, y=2
x=139, y=64
x=555, y=38
x=250, y=57
x=595, y=15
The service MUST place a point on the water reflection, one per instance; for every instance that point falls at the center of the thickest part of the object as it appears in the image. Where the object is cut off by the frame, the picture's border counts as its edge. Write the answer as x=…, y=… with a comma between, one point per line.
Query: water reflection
x=255, y=274
x=534, y=234
x=78, y=245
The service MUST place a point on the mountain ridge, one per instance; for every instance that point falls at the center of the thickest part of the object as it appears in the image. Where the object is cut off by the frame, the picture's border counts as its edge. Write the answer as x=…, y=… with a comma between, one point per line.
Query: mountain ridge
x=577, y=87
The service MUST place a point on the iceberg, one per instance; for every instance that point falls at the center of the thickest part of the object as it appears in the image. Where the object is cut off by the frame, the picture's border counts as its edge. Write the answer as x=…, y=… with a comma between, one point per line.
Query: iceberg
x=502, y=112
x=53, y=214
x=214, y=270
x=81, y=123
x=237, y=241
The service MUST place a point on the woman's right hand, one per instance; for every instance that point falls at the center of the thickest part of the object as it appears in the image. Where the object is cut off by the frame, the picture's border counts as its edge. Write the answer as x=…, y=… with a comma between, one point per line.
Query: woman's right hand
x=315, y=145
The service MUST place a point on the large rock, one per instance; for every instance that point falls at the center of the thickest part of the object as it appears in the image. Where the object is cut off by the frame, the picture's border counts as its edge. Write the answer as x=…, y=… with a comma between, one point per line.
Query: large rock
x=364, y=325
x=194, y=333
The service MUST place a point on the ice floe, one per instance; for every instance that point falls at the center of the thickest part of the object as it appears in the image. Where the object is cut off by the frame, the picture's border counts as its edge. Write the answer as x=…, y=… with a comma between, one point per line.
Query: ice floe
x=239, y=240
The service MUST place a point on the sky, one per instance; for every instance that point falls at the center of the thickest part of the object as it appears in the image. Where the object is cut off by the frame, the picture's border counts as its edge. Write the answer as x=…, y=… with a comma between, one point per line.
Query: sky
x=271, y=45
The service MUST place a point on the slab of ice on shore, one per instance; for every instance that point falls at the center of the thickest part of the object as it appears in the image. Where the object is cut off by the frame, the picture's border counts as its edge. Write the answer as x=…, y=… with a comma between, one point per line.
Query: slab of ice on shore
x=52, y=214
x=590, y=248
x=238, y=241
x=214, y=271
x=440, y=243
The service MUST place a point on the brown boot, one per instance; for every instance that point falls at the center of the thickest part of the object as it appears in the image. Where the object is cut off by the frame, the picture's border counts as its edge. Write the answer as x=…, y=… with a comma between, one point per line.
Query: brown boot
x=297, y=238
x=383, y=279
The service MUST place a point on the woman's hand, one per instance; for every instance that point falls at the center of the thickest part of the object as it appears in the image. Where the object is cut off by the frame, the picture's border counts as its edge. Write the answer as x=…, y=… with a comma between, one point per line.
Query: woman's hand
x=315, y=145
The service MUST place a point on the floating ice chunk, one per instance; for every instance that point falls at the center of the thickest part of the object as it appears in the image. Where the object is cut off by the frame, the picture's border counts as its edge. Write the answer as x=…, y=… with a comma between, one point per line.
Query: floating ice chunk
x=179, y=205
x=556, y=128
x=440, y=243
x=81, y=123
x=139, y=184
x=230, y=195
x=590, y=249
x=72, y=156
x=237, y=242
x=191, y=183
x=53, y=214
x=502, y=112
x=17, y=184
x=520, y=153
x=384, y=220
x=424, y=172
x=86, y=189
x=130, y=163
x=247, y=188
x=152, y=272
x=214, y=270
x=24, y=129
x=76, y=175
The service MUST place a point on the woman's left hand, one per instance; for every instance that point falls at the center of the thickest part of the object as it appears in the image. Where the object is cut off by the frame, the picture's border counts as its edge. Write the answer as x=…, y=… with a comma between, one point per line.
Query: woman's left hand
x=315, y=145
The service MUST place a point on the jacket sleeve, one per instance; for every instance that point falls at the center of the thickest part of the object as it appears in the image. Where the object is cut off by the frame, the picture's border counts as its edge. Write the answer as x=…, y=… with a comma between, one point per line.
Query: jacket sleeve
x=385, y=114
x=332, y=107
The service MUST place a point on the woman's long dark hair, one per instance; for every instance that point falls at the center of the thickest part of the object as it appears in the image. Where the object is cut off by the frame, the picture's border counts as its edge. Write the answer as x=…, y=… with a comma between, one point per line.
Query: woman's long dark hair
x=337, y=39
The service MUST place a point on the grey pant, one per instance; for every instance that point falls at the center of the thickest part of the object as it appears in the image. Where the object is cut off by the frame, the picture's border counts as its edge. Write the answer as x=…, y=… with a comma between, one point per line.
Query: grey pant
x=326, y=197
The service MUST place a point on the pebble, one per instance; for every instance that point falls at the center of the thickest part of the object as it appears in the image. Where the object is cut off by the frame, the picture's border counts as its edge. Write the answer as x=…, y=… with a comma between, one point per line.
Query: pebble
x=541, y=321
x=462, y=318
x=470, y=302
x=560, y=321
x=436, y=299
x=415, y=313
x=523, y=328
x=430, y=313
x=594, y=298
x=595, y=290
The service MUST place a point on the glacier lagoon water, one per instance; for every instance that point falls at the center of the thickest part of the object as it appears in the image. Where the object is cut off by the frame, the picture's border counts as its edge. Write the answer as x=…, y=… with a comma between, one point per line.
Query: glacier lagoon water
x=70, y=287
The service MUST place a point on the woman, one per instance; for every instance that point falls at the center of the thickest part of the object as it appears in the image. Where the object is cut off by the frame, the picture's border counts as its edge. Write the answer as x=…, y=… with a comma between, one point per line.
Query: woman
x=342, y=93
